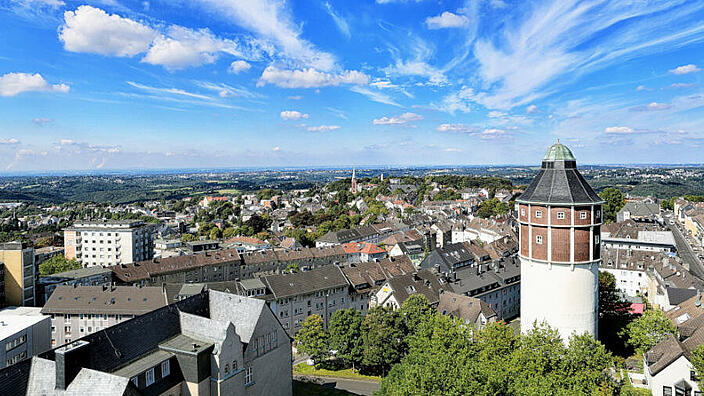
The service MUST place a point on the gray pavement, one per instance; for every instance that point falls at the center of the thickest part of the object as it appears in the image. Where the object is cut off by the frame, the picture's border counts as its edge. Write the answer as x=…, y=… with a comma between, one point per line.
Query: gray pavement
x=355, y=386
x=685, y=251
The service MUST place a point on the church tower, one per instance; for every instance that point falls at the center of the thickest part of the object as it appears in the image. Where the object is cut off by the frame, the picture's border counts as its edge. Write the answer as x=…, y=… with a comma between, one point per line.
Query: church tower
x=560, y=219
x=354, y=182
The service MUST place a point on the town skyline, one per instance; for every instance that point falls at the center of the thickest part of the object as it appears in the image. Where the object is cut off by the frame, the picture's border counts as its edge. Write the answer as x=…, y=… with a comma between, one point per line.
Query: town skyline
x=228, y=84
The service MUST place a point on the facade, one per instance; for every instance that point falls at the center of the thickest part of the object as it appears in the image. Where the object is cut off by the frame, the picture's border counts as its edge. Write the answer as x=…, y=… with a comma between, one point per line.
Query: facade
x=92, y=276
x=108, y=242
x=212, y=343
x=24, y=332
x=398, y=289
x=471, y=310
x=20, y=274
x=560, y=220
x=77, y=311
x=321, y=291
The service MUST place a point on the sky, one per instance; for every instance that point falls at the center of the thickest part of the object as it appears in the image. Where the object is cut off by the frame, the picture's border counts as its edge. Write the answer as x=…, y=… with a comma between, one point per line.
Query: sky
x=118, y=84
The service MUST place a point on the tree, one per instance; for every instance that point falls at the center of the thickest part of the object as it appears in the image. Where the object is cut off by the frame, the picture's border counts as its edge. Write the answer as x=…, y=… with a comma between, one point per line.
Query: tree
x=188, y=238
x=492, y=207
x=57, y=264
x=346, y=335
x=229, y=232
x=415, y=310
x=293, y=267
x=312, y=339
x=697, y=359
x=648, y=330
x=613, y=315
x=215, y=233
x=258, y=223
x=614, y=201
x=383, y=336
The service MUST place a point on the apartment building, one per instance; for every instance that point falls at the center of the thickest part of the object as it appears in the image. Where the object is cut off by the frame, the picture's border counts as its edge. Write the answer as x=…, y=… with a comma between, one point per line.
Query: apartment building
x=24, y=332
x=212, y=343
x=92, y=276
x=108, y=242
x=20, y=273
x=77, y=311
x=321, y=291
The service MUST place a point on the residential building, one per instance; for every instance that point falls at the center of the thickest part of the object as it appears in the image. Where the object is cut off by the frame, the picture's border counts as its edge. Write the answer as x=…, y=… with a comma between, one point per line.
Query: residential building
x=108, y=242
x=415, y=250
x=90, y=276
x=629, y=234
x=398, y=289
x=560, y=218
x=45, y=253
x=212, y=343
x=321, y=291
x=77, y=311
x=470, y=309
x=209, y=266
x=201, y=246
x=640, y=212
x=358, y=252
x=20, y=273
x=24, y=332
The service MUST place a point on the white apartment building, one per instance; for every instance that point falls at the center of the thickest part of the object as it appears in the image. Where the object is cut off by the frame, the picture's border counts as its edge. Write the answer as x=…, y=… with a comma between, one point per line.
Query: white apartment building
x=109, y=242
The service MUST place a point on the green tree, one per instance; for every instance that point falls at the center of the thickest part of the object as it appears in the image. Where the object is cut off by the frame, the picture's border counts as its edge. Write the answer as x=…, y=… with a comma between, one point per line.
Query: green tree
x=188, y=238
x=215, y=233
x=614, y=201
x=648, y=330
x=312, y=339
x=229, y=232
x=346, y=335
x=57, y=264
x=383, y=337
x=613, y=315
x=697, y=359
x=492, y=207
x=415, y=310
x=294, y=267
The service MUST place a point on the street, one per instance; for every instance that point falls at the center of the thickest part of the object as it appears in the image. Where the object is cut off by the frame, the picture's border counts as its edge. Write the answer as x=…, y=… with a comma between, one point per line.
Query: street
x=685, y=251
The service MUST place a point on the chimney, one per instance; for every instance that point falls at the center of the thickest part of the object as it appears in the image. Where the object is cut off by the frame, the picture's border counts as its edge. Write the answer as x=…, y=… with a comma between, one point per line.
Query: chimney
x=69, y=361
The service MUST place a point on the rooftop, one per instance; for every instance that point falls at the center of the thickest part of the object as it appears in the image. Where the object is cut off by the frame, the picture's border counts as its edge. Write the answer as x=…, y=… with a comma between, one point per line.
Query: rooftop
x=559, y=152
x=14, y=320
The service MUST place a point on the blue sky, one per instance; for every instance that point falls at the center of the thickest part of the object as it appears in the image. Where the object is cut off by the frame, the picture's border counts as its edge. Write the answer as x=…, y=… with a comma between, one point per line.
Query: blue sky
x=113, y=84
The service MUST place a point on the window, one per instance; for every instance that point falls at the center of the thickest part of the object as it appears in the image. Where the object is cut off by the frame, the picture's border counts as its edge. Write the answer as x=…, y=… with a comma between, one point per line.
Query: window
x=666, y=391
x=227, y=368
x=248, y=377
x=539, y=239
x=560, y=215
x=538, y=214
x=234, y=365
x=165, y=369
x=693, y=375
x=598, y=213
x=596, y=239
x=149, y=374
x=583, y=215
x=135, y=381
x=523, y=212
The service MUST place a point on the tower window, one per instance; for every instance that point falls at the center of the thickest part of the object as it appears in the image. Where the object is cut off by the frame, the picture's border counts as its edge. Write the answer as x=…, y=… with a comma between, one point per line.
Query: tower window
x=596, y=239
x=538, y=214
x=560, y=215
x=523, y=212
x=583, y=215
x=539, y=239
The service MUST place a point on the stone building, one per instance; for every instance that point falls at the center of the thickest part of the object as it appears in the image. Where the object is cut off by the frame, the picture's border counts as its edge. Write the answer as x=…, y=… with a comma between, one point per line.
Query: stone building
x=109, y=242
x=560, y=219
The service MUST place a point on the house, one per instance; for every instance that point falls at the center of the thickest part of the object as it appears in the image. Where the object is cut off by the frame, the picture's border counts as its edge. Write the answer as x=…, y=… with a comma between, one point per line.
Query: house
x=471, y=310
x=363, y=252
x=415, y=250
x=212, y=343
x=398, y=289
x=668, y=370
x=640, y=212
x=207, y=200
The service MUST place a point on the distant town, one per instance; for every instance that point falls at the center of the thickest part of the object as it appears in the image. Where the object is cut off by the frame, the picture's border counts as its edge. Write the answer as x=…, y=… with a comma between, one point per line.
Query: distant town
x=330, y=276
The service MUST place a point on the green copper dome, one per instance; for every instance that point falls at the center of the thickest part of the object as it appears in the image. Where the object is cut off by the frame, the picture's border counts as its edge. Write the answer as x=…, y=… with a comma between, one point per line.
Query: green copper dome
x=559, y=152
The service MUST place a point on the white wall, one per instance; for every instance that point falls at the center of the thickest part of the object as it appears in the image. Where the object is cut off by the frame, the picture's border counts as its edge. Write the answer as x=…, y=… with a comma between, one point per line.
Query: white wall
x=676, y=371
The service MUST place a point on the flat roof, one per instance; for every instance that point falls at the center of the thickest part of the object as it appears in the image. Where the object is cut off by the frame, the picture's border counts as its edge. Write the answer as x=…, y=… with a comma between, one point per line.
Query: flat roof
x=13, y=323
x=185, y=344
x=82, y=272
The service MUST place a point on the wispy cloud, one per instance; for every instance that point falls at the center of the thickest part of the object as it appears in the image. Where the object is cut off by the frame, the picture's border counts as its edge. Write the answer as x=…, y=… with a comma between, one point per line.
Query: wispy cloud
x=340, y=22
x=322, y=128
x=402, y=119
x=375, y=96
x=310, y=78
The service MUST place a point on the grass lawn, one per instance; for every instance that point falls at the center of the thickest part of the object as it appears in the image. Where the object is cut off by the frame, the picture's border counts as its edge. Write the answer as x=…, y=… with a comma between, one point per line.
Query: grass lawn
x=304, y=369
x=229, y=191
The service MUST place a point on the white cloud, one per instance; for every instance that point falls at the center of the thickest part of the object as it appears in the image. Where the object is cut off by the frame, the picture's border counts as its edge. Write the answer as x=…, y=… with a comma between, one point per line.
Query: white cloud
x=682, y=85
x=685, y=69
x=397, y=1
x=239, y=66
x=654, y=106
x=226, y=91
x=292, y=115
x=185, y=47
x=458, y=101
x=531, y=109
x=41, y=121
x=557, y=41
x=619, y=129
x=496, y=114
x=295, y=97
x=271, y=20
x=277, y=148
x=340, y=22
x=173, y=91
x=9, y=141
x=402, y=119
x=419, y=68
x=375, y=96
x=494, y=133
x=323, y=128
x=309, y=78
x=457, y=128
x=643, y=88
x=452, y=150
x=446, y=20
x=42, y=3
x=89, y=29
x=65, y=142
x=12, y=84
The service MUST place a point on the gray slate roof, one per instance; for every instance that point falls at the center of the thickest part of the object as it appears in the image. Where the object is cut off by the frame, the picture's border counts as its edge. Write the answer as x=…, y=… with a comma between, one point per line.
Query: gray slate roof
x=306, y=282
x=123, y=300
x=559, y=182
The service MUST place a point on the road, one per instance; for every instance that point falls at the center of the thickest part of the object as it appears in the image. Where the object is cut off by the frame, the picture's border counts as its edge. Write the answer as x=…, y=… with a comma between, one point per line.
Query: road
x=354, y=386
x=684, y=250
